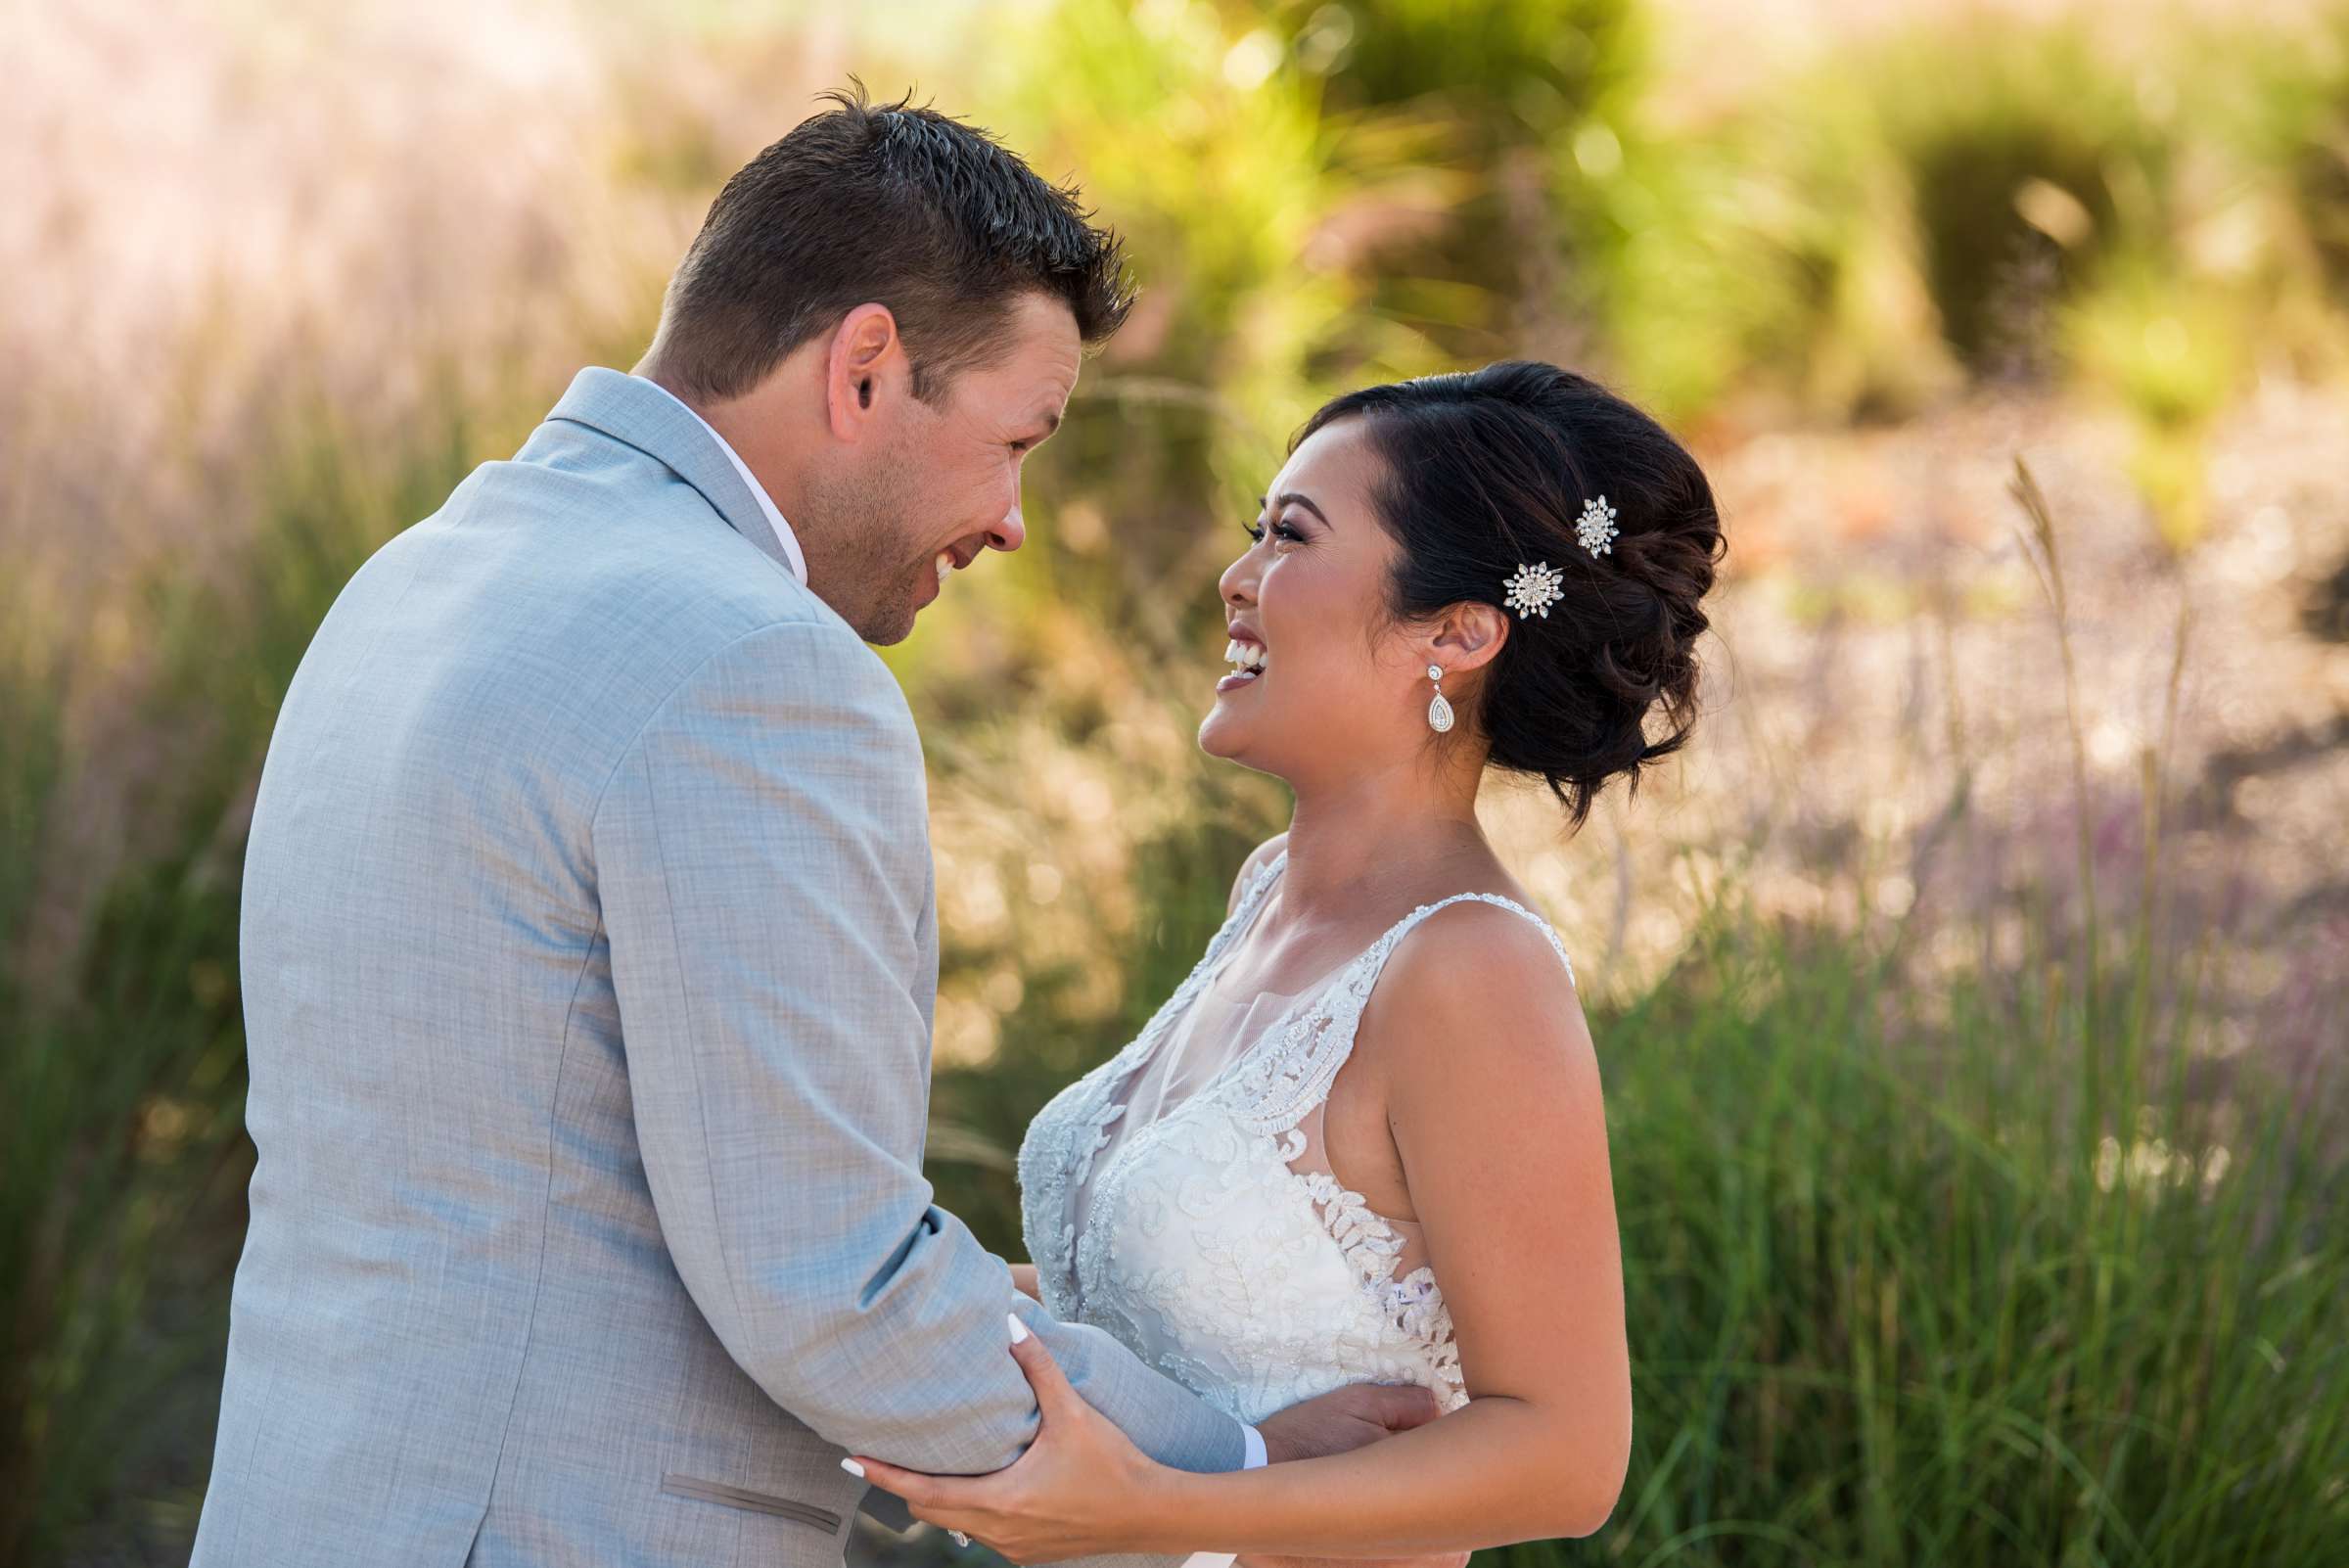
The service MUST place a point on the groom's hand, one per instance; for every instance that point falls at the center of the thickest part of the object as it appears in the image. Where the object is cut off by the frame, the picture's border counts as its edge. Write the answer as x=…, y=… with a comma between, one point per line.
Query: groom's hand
x=1337, y=1422
x=1344, y=1419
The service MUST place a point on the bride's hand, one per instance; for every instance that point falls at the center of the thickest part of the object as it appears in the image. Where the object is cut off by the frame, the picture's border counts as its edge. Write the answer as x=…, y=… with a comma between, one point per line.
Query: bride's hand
x=1081, y=1490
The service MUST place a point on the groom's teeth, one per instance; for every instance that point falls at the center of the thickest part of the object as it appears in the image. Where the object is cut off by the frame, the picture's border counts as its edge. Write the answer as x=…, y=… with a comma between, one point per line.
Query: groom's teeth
x=946, y=564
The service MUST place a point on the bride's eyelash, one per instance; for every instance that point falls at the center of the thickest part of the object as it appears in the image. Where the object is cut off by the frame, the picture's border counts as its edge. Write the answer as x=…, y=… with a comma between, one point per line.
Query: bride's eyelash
x=1256, y=532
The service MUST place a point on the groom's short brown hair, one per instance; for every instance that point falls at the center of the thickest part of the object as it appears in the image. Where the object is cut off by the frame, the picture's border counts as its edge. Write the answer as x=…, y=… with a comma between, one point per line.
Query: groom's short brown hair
x=886, y=204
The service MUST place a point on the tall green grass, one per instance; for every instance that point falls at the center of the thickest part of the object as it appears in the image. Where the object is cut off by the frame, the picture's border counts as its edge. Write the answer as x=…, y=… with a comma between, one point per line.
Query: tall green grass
x=121, y=1069
x=111, y=1105
x=1906, y=1287
x=32, y=1306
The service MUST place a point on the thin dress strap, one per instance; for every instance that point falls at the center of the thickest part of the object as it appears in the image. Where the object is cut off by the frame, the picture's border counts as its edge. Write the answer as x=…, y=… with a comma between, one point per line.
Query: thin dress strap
x=1279, y=1086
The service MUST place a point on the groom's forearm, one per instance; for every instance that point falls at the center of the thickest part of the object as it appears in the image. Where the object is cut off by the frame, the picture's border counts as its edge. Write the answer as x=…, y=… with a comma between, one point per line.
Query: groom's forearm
x=1164, y=1419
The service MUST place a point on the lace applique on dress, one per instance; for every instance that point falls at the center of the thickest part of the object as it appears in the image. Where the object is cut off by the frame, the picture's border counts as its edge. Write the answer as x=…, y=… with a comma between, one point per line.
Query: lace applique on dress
x=1216, y=1244
x=1057, y=1154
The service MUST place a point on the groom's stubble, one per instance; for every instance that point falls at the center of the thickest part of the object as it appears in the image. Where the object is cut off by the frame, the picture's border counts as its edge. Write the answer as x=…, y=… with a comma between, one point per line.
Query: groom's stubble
x=866, y=542
x=935, y=476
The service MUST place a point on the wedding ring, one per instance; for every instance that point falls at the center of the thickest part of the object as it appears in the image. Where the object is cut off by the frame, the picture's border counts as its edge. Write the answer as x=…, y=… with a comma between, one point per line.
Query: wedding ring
x=958, y=1538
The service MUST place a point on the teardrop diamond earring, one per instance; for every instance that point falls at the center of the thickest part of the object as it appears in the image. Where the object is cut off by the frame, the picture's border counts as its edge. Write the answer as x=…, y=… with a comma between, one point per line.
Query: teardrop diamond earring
x=1439, y=711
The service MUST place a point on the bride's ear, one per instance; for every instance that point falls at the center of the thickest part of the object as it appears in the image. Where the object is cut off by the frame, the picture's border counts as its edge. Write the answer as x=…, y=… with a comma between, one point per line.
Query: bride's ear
x=1468, y=636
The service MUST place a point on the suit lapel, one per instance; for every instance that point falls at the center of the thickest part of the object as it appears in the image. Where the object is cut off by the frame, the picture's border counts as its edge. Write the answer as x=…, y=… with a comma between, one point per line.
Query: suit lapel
x=632, y=410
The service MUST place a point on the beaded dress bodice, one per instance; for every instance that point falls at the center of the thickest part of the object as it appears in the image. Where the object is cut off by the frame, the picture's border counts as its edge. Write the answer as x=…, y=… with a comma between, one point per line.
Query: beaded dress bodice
x=1214, y=1241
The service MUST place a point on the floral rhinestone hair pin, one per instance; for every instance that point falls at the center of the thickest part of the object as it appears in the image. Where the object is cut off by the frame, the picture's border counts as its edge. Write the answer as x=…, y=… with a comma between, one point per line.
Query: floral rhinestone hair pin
x=1595, y=531
x=1533, y=589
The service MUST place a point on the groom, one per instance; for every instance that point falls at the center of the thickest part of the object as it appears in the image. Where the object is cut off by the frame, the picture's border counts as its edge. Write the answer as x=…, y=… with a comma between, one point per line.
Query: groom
x=588, y=937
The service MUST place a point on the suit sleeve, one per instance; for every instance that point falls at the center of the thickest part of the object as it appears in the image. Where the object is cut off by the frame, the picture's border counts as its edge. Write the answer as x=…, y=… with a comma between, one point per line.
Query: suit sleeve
x=763, y=858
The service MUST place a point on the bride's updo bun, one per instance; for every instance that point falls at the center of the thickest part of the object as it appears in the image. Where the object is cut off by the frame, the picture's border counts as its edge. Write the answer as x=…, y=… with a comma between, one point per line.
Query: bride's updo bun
x=1490, y=470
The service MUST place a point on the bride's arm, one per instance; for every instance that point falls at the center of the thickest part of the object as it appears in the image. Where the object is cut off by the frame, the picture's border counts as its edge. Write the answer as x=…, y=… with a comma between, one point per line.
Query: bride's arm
x=1023, y=1280
x=1493, y=1095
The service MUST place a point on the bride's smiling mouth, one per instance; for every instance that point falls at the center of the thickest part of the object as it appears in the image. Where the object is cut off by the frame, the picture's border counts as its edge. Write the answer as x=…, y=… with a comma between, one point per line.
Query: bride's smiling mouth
x=1248, y=658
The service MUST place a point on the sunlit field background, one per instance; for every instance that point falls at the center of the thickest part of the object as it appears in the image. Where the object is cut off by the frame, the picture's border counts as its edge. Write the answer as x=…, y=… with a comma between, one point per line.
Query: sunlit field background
x=1971, y=996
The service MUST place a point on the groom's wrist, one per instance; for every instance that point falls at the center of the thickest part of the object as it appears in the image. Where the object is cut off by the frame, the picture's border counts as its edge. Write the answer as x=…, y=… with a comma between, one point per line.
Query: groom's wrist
x=1256, y=1455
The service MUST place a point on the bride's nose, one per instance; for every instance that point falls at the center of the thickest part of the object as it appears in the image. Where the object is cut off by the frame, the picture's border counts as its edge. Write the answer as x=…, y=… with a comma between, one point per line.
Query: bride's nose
x=1238, y=583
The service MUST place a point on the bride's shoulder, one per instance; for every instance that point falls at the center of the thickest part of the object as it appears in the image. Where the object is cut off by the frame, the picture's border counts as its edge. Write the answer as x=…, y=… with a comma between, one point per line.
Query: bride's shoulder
x=1259, y=857
x=1480, y=980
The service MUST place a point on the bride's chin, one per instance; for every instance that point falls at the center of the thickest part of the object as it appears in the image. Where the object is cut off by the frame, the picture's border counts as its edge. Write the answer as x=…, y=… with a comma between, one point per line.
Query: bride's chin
x=1225, y=743
x=1219, y=737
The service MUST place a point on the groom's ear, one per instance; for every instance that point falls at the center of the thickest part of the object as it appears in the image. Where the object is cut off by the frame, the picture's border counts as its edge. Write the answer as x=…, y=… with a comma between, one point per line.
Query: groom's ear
x=864, y=366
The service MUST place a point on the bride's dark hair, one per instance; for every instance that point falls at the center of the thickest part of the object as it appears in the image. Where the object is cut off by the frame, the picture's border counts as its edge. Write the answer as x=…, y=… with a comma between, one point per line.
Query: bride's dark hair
x=1490, y=470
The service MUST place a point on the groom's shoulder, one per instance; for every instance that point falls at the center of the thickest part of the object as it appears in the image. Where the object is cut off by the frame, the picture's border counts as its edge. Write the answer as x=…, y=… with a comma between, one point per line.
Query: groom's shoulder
x=669, y=582
x=766, y=680
x=582, y=584
x=677, y=615
x=609, y=526
x=769, y=648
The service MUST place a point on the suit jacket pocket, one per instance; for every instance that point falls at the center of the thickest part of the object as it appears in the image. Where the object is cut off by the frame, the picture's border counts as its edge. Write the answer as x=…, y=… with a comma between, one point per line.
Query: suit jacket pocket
x=732, y=1496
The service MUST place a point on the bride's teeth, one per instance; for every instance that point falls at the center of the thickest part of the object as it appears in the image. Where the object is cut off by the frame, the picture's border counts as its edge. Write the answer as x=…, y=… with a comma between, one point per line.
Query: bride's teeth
x=1248, y=658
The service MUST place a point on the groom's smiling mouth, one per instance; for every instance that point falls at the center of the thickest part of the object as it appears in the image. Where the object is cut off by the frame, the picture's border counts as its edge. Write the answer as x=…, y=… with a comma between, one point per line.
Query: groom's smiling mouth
x=956, y=558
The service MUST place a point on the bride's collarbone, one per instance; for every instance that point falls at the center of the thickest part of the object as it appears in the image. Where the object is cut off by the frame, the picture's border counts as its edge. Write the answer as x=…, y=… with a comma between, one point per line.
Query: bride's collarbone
x=1275, y=963
x=1285, y=957
x=1281, y=941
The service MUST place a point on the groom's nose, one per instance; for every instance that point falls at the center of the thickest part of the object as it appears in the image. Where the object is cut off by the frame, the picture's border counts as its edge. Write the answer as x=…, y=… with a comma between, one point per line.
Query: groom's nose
x=1010, y=534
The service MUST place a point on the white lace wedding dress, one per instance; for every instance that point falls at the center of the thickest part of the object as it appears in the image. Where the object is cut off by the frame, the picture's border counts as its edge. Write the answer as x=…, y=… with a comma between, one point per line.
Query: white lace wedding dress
x=1178, y=1197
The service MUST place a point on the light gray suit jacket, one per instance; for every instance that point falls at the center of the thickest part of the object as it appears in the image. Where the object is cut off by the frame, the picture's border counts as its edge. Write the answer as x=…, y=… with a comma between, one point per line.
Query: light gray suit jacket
x=589, y=951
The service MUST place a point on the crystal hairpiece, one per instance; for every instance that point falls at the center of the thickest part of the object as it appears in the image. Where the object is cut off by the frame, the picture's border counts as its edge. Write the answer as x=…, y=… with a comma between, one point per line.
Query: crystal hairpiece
x=1534, y=589
x=1596, y=530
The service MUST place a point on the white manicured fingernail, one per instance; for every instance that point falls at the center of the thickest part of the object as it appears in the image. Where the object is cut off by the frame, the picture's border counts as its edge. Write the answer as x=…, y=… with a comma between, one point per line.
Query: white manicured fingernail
x=854, y=1468
x=1019, y=1330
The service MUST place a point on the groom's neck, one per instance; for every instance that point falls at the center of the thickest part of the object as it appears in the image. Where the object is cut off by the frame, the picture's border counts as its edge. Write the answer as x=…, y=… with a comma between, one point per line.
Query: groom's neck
x=760, y=425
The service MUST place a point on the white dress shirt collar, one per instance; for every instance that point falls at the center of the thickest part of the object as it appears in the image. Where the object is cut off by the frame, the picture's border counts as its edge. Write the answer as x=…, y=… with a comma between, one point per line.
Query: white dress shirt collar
x=774, y=517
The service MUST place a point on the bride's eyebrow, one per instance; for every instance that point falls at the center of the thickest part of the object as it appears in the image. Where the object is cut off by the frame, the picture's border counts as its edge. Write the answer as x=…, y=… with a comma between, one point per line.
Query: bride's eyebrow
x=1302, y=500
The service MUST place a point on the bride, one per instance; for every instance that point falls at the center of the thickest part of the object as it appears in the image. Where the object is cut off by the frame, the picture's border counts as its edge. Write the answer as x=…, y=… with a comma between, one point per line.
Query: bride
x=1364, y=1142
